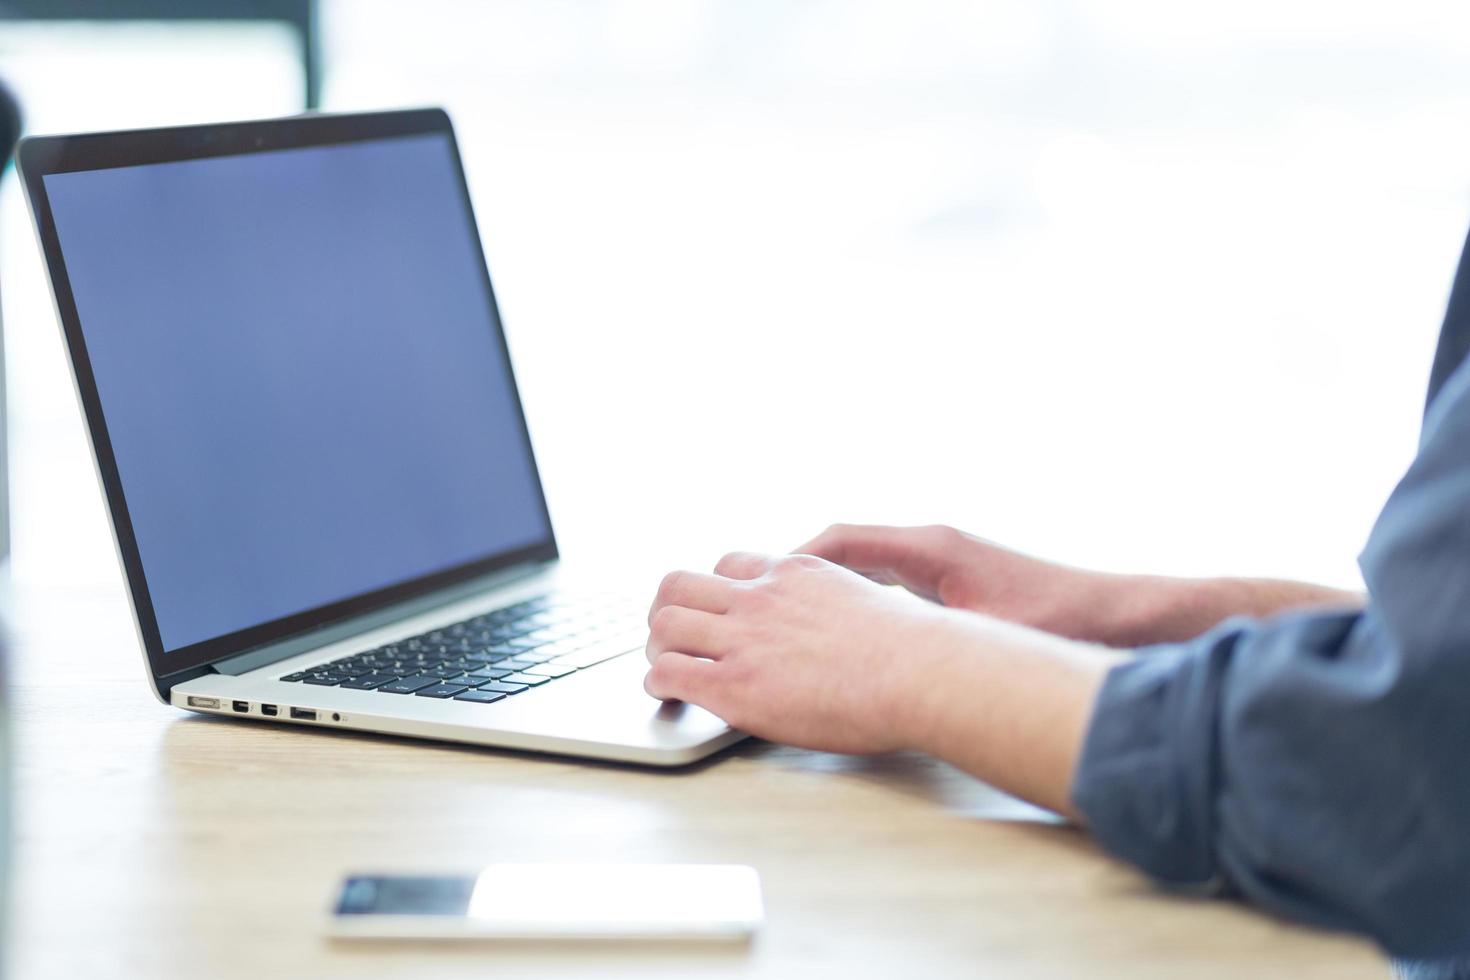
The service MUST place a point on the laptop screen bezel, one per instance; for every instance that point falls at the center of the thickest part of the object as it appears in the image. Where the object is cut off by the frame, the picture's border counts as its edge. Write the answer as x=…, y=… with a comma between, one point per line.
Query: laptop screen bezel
x=42, y=156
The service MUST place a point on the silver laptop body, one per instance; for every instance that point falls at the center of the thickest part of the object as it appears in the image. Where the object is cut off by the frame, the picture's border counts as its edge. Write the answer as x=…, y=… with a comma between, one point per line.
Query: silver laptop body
x=309, y=437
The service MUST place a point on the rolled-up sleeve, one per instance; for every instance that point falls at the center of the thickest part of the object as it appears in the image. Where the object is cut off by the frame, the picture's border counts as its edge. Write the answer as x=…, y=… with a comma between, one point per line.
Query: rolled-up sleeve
x=1317, y=764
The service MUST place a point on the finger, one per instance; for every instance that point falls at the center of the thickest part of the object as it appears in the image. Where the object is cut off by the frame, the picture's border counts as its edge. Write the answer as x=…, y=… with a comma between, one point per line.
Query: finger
x=743, y=565
x=684, y=630
x=903, y=555
x=842, y=543
x=694, y=590
x=677, y=677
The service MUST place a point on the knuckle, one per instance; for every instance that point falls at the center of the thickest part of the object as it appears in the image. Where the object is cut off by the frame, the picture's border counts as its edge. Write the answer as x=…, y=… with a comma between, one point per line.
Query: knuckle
x=741, y=594
x=941, y=534
x=669, y=583
x=731, y=560
x=748, y=590
x=760, y=594
x=662, y=620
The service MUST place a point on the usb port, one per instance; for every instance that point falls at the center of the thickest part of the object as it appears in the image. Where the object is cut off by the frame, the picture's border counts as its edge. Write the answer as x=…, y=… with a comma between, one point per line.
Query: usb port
x=242, y=706
x=269, y=710
x=195, y=701
x=305, y=714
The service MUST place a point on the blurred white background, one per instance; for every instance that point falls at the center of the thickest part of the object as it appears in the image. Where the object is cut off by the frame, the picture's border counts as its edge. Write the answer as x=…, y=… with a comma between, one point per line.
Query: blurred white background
x=1136, y=285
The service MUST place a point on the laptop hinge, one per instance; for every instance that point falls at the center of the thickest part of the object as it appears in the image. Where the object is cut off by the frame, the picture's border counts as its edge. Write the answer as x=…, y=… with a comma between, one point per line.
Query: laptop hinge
x=242, y=663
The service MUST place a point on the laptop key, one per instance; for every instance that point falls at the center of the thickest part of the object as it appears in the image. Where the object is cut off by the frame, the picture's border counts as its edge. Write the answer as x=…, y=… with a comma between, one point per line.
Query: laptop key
x=550, y=670
x=531, y=680
x=500, y=687
x=409, y=685
x=441, y=691
x=515, y=663
x=326, y=680
x=560, y=648
x=483, y=697
x=300, y=675
x=369, y=681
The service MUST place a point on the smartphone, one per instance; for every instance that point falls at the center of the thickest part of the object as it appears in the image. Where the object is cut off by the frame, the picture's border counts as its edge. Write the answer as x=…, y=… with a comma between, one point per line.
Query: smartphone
x=710, y=902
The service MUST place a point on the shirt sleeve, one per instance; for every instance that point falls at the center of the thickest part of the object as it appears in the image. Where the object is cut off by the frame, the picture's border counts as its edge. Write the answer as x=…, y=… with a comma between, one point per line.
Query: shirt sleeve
x=1318, y=764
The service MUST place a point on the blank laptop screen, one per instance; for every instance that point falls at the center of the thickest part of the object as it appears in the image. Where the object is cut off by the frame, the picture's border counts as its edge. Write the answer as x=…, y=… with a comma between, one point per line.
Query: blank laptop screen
x=301, y=374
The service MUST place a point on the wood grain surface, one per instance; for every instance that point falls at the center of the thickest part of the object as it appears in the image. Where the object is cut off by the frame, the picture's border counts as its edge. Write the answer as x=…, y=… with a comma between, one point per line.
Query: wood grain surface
x=155, y=844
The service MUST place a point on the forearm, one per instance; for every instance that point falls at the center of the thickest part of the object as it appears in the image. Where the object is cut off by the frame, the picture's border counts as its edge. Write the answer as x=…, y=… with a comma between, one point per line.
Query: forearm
x=1148, y=609
x=1005, y=703
x=1011, y=704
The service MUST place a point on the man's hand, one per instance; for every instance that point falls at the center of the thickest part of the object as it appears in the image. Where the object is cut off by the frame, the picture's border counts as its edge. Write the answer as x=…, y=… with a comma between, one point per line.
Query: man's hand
x=795, y=649
x=802, y=651
x=966, y=572
x=960, y=570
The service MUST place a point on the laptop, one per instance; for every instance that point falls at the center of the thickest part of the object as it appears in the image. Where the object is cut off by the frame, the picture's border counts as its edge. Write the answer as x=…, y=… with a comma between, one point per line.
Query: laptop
x=311, y=443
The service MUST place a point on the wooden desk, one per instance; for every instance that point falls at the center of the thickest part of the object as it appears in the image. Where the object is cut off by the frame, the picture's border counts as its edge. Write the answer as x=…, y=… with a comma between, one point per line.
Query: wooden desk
x=155, y=844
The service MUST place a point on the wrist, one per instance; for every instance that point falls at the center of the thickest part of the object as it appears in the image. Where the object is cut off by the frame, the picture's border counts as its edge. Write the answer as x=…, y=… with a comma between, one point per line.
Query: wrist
x=1105, y=608
x=915, y=690
x=1158, y=609
x=1137, y=610
x=1006, y=703
x=948, y=666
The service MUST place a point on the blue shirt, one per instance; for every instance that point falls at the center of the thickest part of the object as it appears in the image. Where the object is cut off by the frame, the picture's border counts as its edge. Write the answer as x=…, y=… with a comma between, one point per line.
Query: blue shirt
x=1318, y=763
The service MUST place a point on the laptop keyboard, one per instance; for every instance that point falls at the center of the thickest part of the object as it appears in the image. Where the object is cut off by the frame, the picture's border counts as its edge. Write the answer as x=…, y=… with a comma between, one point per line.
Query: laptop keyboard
x=487, y=658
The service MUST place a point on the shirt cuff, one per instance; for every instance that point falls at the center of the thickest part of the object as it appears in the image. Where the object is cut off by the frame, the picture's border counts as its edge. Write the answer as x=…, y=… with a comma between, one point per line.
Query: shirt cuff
x=1146, y=782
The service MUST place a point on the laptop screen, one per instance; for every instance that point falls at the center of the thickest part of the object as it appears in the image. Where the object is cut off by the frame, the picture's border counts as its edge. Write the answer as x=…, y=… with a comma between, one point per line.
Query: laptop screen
x=301, y=373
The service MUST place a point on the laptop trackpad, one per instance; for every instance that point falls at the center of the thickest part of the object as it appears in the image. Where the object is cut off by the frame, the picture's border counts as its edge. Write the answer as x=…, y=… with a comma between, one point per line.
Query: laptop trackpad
x=608, y=702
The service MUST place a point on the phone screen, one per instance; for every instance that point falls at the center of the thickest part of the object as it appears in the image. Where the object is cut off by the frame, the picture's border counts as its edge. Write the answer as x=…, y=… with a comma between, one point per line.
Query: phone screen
x=402, y=895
